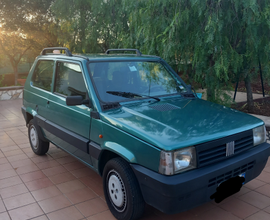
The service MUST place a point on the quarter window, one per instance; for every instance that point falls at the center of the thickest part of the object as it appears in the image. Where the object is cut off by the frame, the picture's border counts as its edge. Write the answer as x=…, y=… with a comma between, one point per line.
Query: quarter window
x=43, y=73
x=69, y=80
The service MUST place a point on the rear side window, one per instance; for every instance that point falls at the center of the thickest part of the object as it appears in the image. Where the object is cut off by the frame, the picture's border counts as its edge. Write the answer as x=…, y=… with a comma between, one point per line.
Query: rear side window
x=43, y=74
x=69, y=80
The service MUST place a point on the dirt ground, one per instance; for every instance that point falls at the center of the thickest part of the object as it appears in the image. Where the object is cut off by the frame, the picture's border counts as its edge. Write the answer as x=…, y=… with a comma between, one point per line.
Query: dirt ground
x=261, y=106
x=256, y=86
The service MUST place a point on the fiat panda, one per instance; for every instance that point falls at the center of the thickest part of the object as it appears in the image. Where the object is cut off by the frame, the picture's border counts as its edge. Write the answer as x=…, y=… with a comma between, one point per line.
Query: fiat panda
x=134, y=121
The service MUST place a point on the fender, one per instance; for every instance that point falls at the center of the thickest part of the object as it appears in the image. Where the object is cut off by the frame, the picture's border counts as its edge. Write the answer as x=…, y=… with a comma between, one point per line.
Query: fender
x=28, y=110
x=120, y=150
x=31, y=111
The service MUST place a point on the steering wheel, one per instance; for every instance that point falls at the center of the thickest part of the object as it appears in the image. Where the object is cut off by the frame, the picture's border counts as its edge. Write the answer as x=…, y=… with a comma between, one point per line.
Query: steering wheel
x=155, y=88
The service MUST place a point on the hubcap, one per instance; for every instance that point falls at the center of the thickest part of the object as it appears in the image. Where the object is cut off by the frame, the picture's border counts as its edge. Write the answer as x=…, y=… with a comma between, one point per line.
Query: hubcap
x=117, y=192
x=33, y=137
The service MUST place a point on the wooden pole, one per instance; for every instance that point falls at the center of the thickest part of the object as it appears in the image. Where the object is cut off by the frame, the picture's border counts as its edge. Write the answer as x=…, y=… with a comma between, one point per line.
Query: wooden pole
x=261, y=77
x=235, y=91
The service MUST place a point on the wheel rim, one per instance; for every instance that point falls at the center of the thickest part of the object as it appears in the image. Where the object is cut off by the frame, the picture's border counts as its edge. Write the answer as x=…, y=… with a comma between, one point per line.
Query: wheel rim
x=33, y=137
x=116, y=190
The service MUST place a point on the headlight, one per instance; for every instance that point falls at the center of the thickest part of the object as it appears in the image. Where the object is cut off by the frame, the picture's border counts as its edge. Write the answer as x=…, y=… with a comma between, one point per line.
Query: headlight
x=259, y=135
x=173, y=162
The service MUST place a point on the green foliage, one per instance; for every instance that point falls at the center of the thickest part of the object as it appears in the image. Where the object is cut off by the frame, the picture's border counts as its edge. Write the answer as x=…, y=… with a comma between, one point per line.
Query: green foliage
x=2, y=79
x=214, y=42
x=24, y=28
x=2, y=60
x=14, y=46
x=89, y=26
x=222, y=40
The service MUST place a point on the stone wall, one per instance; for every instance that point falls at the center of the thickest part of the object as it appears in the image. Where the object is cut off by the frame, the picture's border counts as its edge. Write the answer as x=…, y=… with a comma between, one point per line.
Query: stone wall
x=12, y=92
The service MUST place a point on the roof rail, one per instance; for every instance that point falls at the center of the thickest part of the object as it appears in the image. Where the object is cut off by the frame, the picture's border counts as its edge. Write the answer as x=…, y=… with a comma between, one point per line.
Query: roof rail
x=138, y=53
x=67, y=51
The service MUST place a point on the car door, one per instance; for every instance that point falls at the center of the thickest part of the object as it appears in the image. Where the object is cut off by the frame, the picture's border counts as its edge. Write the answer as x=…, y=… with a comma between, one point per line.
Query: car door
x=69, y=126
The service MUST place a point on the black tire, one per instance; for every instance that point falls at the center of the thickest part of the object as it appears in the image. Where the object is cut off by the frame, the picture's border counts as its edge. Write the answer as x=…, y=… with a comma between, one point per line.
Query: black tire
x=122, y=191
x=38, y=146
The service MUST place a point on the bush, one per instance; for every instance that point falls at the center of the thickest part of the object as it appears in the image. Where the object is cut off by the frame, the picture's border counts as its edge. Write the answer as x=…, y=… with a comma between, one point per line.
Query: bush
x=9, y=79
x=1, y=80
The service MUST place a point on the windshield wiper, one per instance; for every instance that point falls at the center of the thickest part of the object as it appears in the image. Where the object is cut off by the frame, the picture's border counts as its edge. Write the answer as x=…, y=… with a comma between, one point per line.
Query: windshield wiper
x=130, y=95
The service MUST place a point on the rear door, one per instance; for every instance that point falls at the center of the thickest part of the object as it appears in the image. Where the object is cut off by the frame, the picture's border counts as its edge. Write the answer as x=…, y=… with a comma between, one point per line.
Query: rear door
x=69, y=126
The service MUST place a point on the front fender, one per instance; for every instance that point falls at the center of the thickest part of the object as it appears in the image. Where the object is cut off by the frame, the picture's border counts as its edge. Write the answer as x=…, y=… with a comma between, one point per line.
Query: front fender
x=120, y=150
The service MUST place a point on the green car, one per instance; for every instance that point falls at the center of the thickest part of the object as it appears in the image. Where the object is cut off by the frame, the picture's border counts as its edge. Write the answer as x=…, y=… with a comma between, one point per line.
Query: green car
x=133, y=120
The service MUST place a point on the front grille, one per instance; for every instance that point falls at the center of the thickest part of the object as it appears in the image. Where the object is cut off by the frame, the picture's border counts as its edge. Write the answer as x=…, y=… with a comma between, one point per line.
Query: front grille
x=214, y=151
x=225, y=176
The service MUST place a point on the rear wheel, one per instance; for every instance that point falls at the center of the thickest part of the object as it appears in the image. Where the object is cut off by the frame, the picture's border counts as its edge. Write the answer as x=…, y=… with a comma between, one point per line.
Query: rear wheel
x=121, y=189
x=38, y=146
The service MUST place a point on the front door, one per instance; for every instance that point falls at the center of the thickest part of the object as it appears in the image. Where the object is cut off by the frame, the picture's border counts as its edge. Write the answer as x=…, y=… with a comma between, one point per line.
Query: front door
x=69, y=126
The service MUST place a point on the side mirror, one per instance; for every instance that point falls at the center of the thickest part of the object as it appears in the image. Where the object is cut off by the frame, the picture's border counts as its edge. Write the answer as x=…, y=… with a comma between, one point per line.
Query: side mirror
x=74, y=100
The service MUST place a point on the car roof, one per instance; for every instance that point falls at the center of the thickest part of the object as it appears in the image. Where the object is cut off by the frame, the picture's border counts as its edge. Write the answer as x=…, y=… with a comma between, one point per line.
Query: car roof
x=100, y=57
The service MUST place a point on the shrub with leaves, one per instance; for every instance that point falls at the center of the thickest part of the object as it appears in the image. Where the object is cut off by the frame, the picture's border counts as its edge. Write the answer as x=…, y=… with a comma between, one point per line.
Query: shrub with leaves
x=222, y=40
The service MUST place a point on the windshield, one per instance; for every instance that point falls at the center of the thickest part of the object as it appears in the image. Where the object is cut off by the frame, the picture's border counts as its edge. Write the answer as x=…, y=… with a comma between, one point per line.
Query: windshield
x=143, y=79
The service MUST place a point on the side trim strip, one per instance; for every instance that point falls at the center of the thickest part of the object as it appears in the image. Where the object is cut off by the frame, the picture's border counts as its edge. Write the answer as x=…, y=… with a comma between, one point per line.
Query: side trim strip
x=66, y=135
x=40, y=120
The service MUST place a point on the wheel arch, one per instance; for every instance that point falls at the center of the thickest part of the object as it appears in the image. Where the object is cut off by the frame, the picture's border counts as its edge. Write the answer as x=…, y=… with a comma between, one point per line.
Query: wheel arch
x=105, y=156
x=28, y=114
x=113, y=150
x=28, y=118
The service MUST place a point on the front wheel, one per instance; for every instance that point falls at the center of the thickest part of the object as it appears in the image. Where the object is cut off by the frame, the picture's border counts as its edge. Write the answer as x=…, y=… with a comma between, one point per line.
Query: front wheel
x=121, y=189
x=38, y=146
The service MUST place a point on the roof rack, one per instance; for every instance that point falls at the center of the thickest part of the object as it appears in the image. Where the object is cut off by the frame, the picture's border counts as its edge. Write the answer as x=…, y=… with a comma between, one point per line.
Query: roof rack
x=67, y=52
x=138, y=53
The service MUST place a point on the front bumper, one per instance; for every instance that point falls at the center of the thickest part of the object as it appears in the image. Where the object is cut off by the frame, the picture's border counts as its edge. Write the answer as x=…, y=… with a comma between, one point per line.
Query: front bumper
x=181, y=192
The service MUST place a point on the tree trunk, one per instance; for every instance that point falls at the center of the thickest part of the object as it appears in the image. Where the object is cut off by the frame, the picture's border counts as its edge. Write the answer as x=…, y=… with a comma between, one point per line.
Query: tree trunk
x=15, y=70
x=83, y=27
x=250, y=103
x=211, y=96
x=210, y=81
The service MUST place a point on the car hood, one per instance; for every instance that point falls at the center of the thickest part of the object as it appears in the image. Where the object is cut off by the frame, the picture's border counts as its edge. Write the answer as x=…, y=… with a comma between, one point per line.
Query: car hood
x=179, y=123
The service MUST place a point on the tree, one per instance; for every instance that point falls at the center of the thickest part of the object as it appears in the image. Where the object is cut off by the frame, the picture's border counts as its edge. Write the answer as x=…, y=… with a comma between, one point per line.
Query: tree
x=221, y=40
x=2, y=59
x=14, y=47
x=90, y=25
x=25, y=26
x=24, y=15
